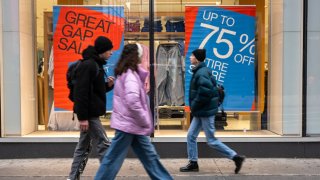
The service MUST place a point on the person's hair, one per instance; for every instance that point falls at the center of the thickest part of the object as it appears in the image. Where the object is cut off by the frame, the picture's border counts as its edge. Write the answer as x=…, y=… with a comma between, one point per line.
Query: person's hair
x=129, y=59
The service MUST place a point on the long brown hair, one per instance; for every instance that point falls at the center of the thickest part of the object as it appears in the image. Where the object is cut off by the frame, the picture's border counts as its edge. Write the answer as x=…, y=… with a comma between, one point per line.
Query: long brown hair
x=129, y=59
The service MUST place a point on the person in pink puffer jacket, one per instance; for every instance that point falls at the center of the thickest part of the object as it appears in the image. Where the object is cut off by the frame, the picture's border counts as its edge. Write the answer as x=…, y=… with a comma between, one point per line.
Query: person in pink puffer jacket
x=131, y=118
x=131, y=112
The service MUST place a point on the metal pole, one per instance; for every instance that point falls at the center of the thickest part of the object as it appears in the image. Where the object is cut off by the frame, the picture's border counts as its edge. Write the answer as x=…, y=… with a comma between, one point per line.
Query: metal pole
x=151, y=45
x=304, y=68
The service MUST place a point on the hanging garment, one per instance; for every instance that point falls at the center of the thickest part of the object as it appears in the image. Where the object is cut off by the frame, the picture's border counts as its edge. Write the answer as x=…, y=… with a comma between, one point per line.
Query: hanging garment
x=145, y=64
x=169, y=75
x=181, y=45
x=50, y=69
x=41, y=97
x=62, y=121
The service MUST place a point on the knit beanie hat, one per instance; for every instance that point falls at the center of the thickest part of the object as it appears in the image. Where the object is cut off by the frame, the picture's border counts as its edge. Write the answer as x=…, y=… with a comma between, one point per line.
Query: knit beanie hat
x=102, y=44
x=200, y=54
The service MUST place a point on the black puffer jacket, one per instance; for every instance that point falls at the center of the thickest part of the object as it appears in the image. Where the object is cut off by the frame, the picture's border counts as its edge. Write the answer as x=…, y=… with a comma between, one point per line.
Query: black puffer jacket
x=90, y=87
x=203, y=95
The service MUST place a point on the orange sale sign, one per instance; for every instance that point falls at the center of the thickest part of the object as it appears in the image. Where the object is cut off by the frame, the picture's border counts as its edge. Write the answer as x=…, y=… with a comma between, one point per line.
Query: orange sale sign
x=75, y=28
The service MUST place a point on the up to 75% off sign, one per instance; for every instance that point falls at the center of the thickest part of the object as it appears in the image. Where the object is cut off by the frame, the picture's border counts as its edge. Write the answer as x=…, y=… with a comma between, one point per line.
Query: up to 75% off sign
x=231, y=44
x=228, y=35
x=238, y=58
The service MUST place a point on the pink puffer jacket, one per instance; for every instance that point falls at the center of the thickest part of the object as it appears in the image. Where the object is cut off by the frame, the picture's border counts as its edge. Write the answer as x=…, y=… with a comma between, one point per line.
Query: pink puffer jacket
x=131, y=112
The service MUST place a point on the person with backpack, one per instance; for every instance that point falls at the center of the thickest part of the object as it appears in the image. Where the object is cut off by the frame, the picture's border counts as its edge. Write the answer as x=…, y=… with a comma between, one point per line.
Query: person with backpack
x=132, y=120
x=89, y=97
x=203, y=101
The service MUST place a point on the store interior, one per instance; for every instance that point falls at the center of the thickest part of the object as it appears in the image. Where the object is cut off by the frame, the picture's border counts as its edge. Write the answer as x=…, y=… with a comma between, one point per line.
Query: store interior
x=172, y=119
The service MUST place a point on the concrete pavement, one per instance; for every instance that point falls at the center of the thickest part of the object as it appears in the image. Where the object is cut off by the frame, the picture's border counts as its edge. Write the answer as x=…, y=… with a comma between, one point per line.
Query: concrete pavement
x=132, y=169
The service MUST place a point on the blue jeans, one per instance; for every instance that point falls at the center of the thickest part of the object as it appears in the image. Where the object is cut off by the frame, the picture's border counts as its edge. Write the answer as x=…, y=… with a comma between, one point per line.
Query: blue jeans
x=169, y=72
x=118, y=150
x=207, y=124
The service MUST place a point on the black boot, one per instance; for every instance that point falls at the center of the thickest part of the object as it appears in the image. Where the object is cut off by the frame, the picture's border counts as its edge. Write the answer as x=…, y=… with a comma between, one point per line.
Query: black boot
x=238, y=160
x=191, y=166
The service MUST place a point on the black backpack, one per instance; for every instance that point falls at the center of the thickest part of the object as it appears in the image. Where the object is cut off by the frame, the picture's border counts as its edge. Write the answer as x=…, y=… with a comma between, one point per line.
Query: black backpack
x=71, y=77
x=221, y=93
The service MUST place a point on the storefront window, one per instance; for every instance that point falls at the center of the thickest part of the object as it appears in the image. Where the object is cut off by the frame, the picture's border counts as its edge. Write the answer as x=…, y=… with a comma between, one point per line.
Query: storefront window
x=169, y=45
x=235, y=34
x=69, y=27
x=255, y=49
x=236, y=55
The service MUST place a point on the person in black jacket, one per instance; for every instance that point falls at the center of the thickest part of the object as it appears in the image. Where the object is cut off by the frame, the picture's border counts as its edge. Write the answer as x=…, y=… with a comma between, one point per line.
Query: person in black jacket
x=203, y=100
x=90, y=102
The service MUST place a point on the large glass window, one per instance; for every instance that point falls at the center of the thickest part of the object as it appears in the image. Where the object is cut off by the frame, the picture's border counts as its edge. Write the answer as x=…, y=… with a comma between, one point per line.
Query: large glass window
x=66, y=28
x=236, y=55
x=244, y=52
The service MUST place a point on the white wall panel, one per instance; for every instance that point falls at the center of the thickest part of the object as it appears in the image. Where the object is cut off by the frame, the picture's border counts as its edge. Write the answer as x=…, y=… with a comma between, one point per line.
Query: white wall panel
x=26, y=15
x=292, y=15
x=275, y=64
x=292, y=67
x=276, y=11
x=292, y=83
x=11, y=83
x=275, y=88
x=10, y=15
x=286, y=67
x=28, y=96
x=19, y=114
x=314, y=15
x=27, y=68
x=313, y=75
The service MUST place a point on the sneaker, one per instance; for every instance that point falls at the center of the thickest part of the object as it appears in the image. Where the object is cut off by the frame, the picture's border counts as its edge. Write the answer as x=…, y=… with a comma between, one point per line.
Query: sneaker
x=238, y=160
x=191, y=166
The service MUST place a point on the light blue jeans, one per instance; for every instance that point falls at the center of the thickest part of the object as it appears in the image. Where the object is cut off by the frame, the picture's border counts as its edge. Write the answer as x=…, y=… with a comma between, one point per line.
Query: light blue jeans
x=118, y=150
x=169, y=75
x=207, y=124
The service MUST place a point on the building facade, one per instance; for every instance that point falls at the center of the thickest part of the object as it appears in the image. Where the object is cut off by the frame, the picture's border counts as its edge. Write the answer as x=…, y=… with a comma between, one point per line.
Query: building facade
x=281, y=110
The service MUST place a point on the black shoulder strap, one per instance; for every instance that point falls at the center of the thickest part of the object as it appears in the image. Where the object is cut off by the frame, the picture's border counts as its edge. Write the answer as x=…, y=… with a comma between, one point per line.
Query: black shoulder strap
x=221, y=107
x=214, y=83
x=79, y=61
x=98, y=69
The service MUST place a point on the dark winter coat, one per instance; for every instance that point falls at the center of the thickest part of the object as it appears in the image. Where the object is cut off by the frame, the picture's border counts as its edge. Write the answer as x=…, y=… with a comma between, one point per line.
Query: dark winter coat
x=203, y=95
x=90, y=87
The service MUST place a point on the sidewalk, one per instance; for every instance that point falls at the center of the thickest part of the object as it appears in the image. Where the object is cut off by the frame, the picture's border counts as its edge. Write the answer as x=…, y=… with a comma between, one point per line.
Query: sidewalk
x=213, y=169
